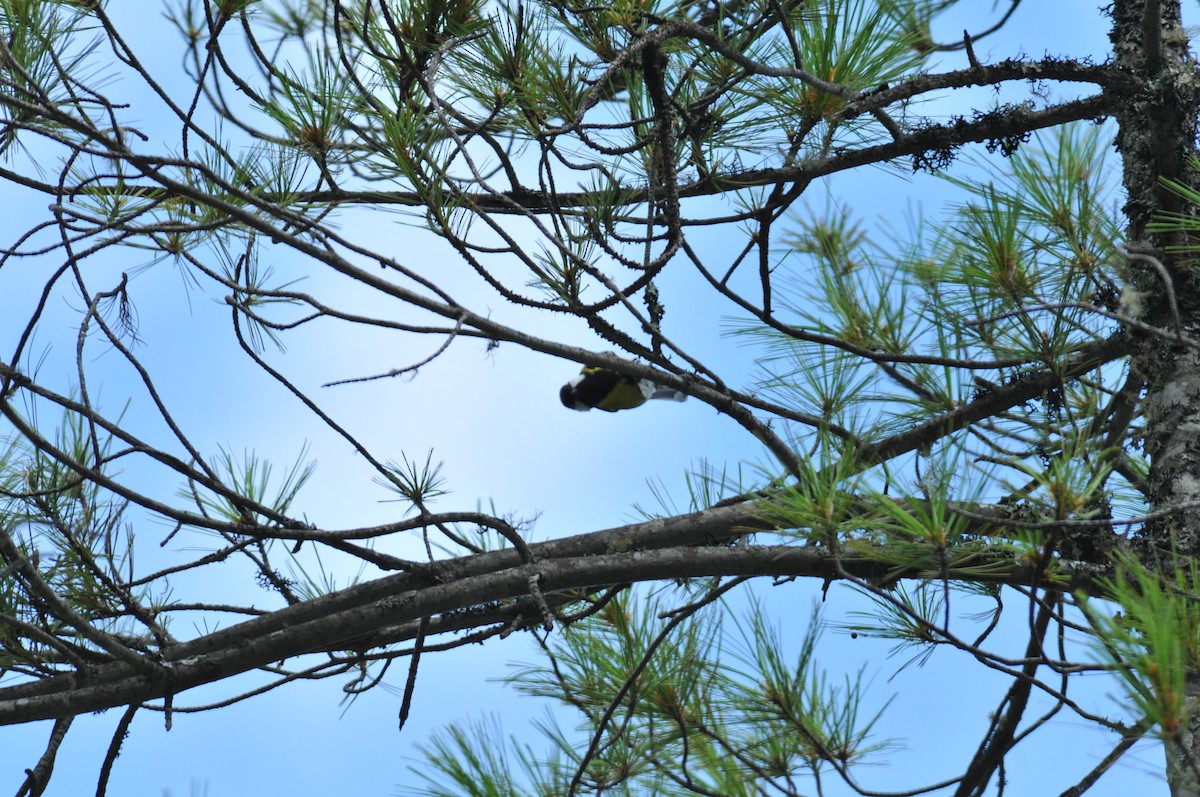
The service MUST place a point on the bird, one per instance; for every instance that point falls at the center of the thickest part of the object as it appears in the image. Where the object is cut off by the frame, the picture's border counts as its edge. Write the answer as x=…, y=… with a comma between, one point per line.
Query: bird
x=610, y=391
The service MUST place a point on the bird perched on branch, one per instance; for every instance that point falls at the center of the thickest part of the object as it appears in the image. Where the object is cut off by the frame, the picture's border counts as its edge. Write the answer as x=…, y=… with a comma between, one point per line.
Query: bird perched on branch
x=605, y=389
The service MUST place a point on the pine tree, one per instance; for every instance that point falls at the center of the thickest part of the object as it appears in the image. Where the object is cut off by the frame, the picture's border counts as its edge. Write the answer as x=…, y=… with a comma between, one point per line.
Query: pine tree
x=971, y=424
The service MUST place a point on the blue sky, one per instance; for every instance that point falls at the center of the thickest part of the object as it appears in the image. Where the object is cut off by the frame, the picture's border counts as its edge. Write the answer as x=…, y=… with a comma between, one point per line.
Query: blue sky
x=502, y=436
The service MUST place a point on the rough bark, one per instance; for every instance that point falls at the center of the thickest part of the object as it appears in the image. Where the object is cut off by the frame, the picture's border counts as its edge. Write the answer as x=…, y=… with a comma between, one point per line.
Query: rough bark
x=1157, y=139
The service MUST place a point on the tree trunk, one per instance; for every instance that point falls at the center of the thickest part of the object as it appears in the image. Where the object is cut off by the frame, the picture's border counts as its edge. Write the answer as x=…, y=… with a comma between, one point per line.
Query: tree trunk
x=1157, y=139
x=1182, y=772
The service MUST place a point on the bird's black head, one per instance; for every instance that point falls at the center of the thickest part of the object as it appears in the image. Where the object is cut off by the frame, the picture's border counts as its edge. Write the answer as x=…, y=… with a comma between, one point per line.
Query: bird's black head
x=567, y=395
